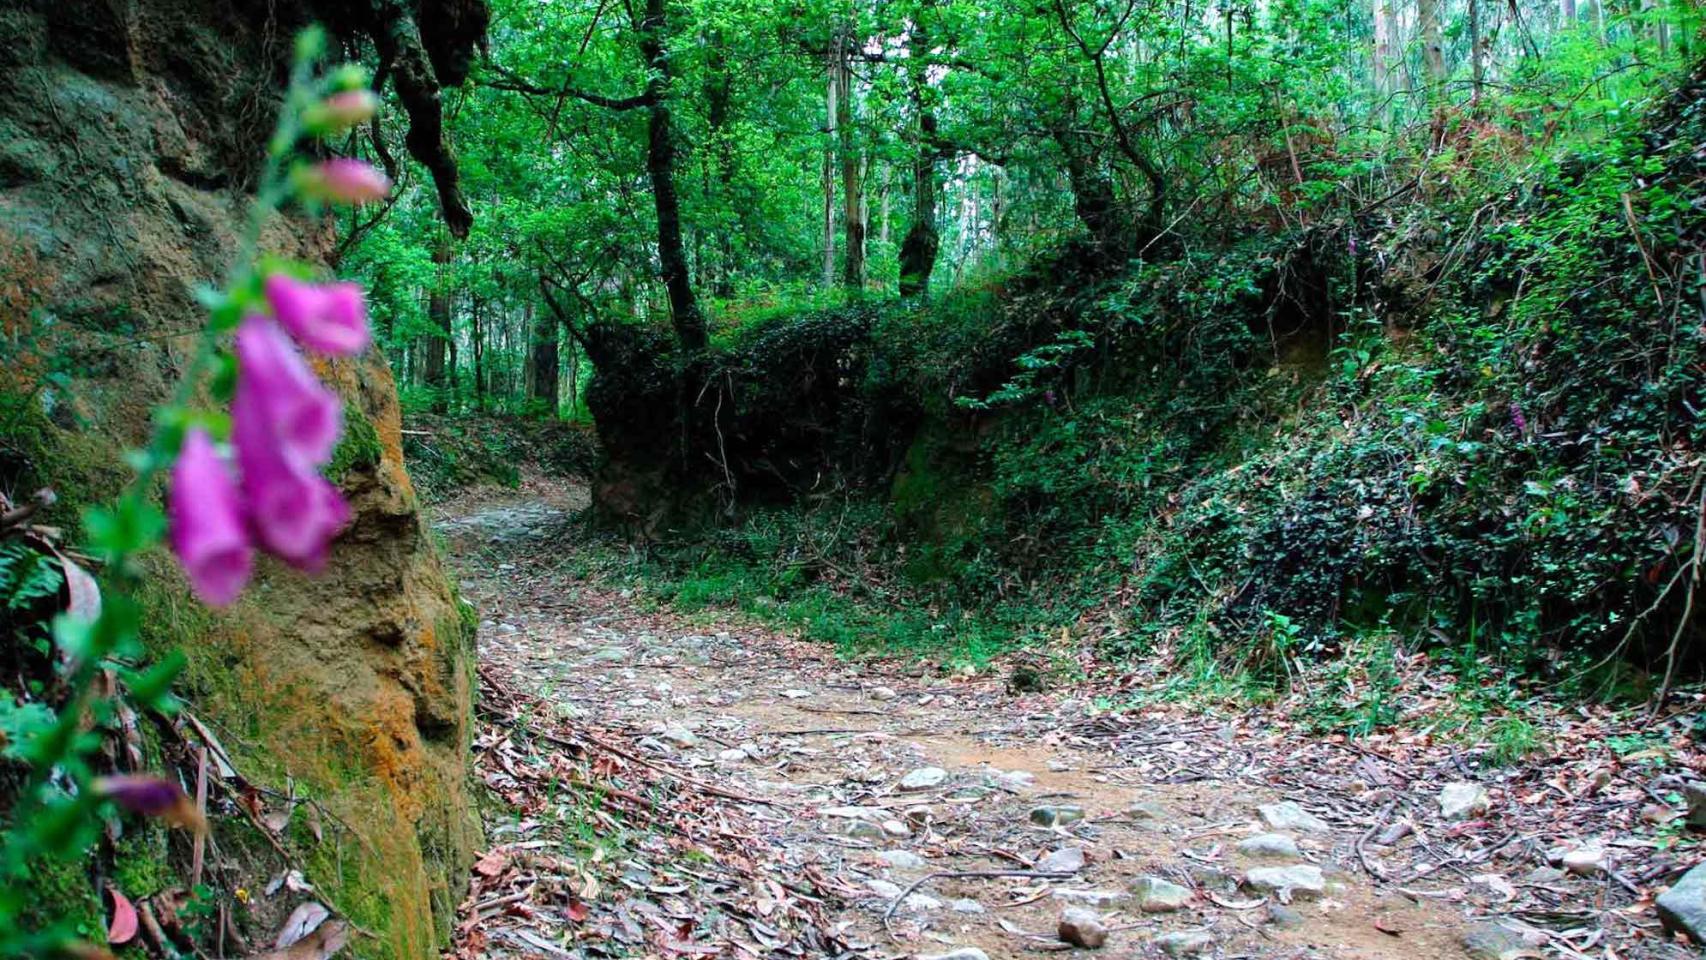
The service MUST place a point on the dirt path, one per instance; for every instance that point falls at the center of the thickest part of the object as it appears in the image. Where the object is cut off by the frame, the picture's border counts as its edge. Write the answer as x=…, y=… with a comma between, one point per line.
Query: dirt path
x=753, y=796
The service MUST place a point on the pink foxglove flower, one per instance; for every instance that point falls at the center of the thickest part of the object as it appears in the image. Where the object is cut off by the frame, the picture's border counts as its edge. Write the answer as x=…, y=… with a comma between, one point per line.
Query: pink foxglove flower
x=343, y=180
x=328, y=318
x=208, y=533
x=294, y=512
x=279, y=397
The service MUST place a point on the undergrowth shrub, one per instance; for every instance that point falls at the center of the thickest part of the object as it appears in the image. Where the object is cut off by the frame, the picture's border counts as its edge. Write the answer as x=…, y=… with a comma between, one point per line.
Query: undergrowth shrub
x=1470, y=424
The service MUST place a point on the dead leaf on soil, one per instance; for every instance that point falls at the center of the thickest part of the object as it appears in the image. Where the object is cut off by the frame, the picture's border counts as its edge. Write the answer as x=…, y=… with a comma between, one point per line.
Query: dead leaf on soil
x=303, y=921
x=492, y=864
x=322, y=944
x=122, y=928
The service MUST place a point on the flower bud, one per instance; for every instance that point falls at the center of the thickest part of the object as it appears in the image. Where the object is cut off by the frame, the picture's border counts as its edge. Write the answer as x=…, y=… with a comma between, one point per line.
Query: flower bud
x=344, y=181
x=340, y=111
x=348, y=76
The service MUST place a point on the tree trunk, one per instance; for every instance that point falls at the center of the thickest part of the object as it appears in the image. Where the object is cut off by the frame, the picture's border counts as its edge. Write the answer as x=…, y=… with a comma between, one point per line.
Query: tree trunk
x=1382, y=47
x=1477, y=58
x=545, y=372
x=1093, y=198
x=918, y=249
x=853, y=212
x=574, y=378
x=883, y=214
x=433, y=372
x=684, y=312
x=1433, y=43
x=1567, y=8
x=832, y=104
x=719, y=91
x=477, y=338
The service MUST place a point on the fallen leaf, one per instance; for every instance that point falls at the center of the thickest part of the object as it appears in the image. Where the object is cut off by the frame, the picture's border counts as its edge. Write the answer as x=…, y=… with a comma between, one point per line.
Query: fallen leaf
x=491, y=864
x=278, y=820
x=322, y=944
x=82, y=593
x=122, y=928
x=1386, y=927
x=304, y=920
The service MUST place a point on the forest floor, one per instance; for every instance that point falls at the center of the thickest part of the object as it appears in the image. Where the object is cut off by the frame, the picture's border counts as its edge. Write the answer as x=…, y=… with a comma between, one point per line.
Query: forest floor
x=664, y=784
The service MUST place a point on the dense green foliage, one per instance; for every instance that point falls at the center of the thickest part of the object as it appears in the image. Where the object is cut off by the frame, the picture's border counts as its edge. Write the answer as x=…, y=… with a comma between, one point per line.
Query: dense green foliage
x=1248, y=332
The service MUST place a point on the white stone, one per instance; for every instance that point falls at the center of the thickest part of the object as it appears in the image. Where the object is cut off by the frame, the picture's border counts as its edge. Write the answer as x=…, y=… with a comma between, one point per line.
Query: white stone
x=1287, y=815
x=1460, y=801
x=1064, y=860
x=888, y=891
x=902, y=859
x=1185, y=943
x=1155, y=895
x=1303, y=881
x=883, y=693
x=1094, y=898
x=680, y=736
x=924, y=778
x=1273, y=845
x=1585, y=861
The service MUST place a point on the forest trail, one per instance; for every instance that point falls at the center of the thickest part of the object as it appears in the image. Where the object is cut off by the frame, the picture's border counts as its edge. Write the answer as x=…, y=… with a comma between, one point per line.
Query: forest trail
x=774, y=801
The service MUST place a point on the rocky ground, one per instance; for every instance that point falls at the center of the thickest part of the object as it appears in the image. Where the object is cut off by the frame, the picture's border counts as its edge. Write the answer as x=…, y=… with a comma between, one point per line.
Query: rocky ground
x=672, y=786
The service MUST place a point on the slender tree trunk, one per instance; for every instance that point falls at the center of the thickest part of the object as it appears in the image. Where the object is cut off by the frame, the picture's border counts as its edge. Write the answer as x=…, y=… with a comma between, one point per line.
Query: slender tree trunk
x=1390, y=25
x=545, y=364
x=853, y=213
x=883, y=215
x=832, y=104
x=719, y=91
x=478, y=342
x=684, y=312
x=922, y=242
x=1433, y=44
x=453, y=396
x=574, y=384
x=1382, y=47
x=1567, y=11
x=433, y=372
x=1477, y=57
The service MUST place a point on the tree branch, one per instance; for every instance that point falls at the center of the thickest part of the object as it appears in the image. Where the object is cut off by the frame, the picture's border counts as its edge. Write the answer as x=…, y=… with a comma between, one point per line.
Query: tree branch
x=515, y=83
